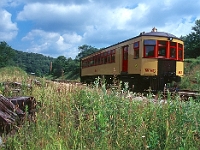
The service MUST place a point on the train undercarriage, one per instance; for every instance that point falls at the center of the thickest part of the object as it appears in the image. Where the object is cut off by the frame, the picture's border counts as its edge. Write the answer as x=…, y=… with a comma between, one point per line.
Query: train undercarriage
x=136, y=83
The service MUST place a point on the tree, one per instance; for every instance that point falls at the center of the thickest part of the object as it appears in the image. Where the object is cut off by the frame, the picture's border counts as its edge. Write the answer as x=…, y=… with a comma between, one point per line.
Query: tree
x=6, y=54
x=58, y=66
x=85, y=50
x=192, y=42
x=33, y=62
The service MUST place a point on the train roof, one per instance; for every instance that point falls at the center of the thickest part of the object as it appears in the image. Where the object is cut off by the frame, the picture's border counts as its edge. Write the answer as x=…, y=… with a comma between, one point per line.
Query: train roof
x=161, y=34
x=155, y=33
x=152, y=33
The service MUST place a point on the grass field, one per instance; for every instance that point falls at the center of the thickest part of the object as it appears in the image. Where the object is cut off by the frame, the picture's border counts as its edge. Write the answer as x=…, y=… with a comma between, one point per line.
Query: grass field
x=80, y=118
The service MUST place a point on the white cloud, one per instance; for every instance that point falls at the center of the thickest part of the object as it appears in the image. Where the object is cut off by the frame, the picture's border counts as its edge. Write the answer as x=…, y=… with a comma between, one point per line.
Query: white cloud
x=59, y=27
x=178, y=27
x=47, y=12
x=55, y=43
x=8, y=29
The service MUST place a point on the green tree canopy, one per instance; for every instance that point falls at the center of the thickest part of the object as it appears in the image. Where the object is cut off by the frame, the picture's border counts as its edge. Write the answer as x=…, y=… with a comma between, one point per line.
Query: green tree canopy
x=192, y=42
x=61, y=65
x=85, y=50
x=58, y=66
x=6, y=54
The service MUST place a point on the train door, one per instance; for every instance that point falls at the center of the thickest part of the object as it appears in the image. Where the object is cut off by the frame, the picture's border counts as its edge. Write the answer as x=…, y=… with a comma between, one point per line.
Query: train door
x=125, y=59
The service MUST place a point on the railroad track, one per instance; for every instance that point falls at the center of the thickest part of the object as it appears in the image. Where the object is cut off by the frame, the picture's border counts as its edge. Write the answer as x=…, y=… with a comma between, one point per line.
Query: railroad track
x=188, y=93
x=185, y=94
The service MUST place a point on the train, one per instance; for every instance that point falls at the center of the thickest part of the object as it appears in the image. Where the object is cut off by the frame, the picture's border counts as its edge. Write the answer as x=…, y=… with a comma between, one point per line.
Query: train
x=148, y=61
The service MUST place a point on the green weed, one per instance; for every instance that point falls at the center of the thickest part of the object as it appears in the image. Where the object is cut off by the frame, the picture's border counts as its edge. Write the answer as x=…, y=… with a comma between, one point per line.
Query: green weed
x=78, y=117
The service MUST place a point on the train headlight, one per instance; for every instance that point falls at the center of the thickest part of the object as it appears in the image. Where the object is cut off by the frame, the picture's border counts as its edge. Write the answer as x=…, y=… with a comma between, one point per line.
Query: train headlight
x=170, y=38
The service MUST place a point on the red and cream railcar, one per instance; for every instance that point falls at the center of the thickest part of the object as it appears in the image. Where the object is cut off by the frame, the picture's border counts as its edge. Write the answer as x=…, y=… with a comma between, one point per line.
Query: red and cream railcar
x=149, y=60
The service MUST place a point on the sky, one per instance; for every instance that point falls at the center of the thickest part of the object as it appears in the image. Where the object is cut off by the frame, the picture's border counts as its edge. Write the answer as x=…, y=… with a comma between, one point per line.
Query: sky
x=58, y=27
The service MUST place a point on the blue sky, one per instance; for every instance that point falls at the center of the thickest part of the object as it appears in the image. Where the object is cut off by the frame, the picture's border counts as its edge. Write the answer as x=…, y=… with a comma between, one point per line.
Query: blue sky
x=58, y=27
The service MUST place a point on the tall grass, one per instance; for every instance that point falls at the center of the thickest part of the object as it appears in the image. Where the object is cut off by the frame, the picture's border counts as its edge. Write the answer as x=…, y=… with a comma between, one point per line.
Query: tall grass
x=77, y=117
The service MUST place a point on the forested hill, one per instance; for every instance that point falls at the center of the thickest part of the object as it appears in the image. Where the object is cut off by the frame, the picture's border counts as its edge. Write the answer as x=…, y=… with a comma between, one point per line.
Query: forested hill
x=33, y=62
x=39, y=64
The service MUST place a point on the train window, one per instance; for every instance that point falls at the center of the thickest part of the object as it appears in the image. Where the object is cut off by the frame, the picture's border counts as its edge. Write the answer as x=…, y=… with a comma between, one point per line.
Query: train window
x=180, y=46
x=91, y=62
x=149, y=51
x=113, y=56
x=149, y=42
x=136, y=53
x=180, y=54
x=149, y=48
x=99, y=59
x=95, y=60
x=172, y=43
x=105, y=60
x=180, y=51
x=83, y=63
x=105, y=57
x=162, y=48
x=136, y=45
x=172, y=52
x=86, y=63
x=162, y=51
x=113, y=51
x=136, y=50
x=161, y=43
x=102, y=58
x=125, y=51
x=108, y=56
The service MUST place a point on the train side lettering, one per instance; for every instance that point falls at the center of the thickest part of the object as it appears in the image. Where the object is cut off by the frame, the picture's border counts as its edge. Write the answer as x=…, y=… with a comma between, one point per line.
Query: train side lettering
x=180, y=72
x=150, y=70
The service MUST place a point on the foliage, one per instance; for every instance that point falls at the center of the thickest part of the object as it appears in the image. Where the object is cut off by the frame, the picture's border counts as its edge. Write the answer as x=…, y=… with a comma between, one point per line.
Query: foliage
x=33, y=63
x=9, y=72
x=58, y=66
x=30, y=62
x=191, y=42
x=85, y=50
x=66, y=68
x=63, y=66
x=191, y=78
x=6, y=54
x=77, y=117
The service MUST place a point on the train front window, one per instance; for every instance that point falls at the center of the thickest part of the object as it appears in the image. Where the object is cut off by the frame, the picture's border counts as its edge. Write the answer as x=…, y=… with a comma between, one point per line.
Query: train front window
x=136, y=50
x=180, y=51
x=180, y=54
x=162, y=48
x=149, y=51
x=172, y=53
x=162, y=51
x=149, y=48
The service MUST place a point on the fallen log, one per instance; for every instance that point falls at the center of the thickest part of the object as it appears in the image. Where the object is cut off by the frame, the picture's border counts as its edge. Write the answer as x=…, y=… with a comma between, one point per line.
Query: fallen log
x=7, y=106
x=13, y=110
x=9, y=114
x=25, y=102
